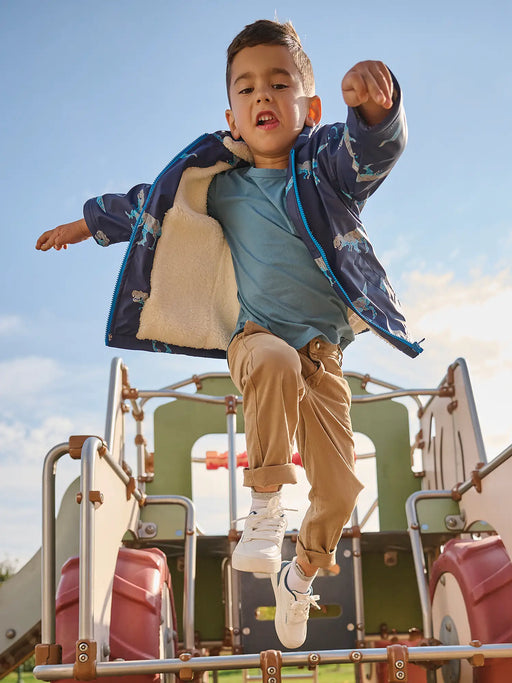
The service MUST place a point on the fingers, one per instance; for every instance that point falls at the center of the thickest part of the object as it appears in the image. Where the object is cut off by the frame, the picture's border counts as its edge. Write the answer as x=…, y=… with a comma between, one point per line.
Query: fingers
x=47, y=240
x=62, y=235
x=56, y=239
x=368, y=81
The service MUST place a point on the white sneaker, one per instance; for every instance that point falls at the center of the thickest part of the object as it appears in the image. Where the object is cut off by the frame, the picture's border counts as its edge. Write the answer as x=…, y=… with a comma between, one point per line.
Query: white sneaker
x=259, y=549
x=292, y=609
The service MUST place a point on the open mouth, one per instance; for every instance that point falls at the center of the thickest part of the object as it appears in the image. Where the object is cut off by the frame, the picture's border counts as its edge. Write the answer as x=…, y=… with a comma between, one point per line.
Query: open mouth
x=267, y=120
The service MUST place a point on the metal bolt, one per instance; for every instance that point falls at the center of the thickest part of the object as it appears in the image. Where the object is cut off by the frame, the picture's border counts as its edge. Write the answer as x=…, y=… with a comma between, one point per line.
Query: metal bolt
x=83, y=647
x=399, y=664
x=10, y=633
x=400, y=675
x=356, y=656
x=83, y=657
x=271, y=670
x=272, y=679
x=313, y=657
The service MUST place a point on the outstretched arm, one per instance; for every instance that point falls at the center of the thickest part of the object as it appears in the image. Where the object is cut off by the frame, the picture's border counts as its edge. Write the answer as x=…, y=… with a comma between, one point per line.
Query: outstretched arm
x=62, y=235
x=368, y=86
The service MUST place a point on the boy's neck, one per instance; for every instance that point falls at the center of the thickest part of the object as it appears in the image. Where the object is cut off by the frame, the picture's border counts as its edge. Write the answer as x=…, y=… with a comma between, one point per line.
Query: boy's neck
x=271, y=162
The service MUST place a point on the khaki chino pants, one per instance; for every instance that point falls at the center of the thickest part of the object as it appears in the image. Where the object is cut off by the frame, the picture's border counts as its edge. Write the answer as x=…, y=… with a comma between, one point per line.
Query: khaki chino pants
x=302, y=395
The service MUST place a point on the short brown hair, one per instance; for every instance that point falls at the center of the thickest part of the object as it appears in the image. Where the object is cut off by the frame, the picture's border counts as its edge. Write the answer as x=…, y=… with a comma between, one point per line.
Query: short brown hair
x=265, y=32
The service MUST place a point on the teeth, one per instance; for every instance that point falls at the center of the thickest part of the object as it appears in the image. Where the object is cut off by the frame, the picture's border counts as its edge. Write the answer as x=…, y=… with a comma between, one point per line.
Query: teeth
x=265, y=118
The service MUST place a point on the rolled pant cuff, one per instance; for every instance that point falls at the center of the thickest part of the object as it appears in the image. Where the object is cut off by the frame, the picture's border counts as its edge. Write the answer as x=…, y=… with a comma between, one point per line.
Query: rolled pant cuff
x=317, y=559
x=273, y=475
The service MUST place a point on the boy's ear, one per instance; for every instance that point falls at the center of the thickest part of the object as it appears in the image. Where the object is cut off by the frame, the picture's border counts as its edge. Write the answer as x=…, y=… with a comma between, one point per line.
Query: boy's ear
x=230, y=118
x=315, y=111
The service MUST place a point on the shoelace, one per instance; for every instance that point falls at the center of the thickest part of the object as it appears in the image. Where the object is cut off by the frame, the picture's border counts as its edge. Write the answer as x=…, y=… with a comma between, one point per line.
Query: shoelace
x=267, y=524
x=299, y=609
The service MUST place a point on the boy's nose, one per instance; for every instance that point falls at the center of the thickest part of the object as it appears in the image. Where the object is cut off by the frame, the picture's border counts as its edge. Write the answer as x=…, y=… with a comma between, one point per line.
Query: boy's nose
x=263, y=94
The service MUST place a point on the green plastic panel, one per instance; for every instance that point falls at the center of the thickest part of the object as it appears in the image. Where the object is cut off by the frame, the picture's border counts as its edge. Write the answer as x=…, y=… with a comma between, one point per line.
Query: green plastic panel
x=178, y=425
x=390, y=593
x=386, y=423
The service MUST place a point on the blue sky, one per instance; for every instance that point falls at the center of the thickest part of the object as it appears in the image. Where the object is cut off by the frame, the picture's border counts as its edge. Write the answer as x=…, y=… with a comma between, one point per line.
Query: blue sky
x=98, y=96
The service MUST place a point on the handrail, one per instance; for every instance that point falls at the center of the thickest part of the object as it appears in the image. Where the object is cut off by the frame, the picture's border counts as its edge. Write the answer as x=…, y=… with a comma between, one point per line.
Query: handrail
x=48, y=547
x=438, y=653
x=413, y=527
x=190, y=561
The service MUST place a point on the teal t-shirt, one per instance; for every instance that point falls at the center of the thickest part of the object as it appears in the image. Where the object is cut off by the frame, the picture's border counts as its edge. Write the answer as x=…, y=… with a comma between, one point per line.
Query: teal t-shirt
x=279, y=285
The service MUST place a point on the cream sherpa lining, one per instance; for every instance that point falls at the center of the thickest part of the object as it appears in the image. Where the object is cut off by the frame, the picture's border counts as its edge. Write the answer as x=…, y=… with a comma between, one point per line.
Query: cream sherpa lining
x=193, y=300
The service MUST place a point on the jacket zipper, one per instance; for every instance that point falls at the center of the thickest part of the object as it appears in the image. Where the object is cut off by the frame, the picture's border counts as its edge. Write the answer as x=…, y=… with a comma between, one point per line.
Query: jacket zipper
x=134, y=231
x=415, y=346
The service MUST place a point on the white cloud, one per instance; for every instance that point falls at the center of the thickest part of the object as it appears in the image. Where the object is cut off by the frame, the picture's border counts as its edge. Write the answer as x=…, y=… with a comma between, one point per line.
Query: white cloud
x=9, y=324
x=41, y=404
x=22, y=452
x=469, y=318
x=28, y=377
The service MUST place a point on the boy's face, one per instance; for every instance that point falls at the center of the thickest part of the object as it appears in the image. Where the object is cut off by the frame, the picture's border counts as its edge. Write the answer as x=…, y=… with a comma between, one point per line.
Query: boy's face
x=268, y=105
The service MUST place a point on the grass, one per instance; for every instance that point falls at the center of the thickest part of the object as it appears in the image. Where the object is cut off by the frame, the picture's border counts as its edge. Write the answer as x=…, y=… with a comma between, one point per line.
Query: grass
x=330, y=673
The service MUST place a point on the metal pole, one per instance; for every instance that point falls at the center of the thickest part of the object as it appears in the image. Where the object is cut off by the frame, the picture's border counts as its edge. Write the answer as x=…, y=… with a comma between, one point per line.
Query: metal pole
x=231, y=403
x=190, y=562
x=114, y=391
x=438, y=653
x=358, y=579
x=86, y=553
x=418, y=556
x=48, y=583
x=231, y=432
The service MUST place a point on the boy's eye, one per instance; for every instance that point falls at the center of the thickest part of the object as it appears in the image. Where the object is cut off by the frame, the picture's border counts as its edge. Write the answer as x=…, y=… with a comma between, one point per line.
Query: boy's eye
x=279, y=86
x=245, y=91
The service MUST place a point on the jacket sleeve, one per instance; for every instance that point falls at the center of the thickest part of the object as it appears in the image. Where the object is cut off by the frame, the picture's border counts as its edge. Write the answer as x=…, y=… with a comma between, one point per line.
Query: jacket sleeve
x=112, y=217
x=366, y=154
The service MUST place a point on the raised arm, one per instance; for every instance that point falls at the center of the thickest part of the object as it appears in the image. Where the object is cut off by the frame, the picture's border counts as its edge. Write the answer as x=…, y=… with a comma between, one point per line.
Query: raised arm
x=362, y=151
x=369, y=87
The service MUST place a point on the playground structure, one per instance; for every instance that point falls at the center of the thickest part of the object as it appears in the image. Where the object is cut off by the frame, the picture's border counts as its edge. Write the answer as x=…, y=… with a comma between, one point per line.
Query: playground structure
x=127, y=586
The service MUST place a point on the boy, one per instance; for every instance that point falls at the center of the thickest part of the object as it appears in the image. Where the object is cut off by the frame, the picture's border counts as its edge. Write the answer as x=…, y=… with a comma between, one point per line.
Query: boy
x=283, y=285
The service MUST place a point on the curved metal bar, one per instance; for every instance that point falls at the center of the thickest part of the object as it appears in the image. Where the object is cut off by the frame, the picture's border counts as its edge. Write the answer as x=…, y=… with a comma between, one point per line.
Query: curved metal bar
x=190, y=562
x=200, y=398
x=189, y=381
x=48, y=546
x=85, y=581
x=378, y=382
x=413, y=527
x=399, y=393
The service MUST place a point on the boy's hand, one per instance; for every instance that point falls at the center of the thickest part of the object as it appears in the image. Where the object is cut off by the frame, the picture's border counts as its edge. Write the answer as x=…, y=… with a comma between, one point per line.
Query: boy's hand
x=62, y=235
x=369, y=86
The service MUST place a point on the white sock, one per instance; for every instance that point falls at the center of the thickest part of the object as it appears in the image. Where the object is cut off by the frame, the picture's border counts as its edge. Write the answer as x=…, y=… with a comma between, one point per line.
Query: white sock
x=260, y=500
x=297, y=580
